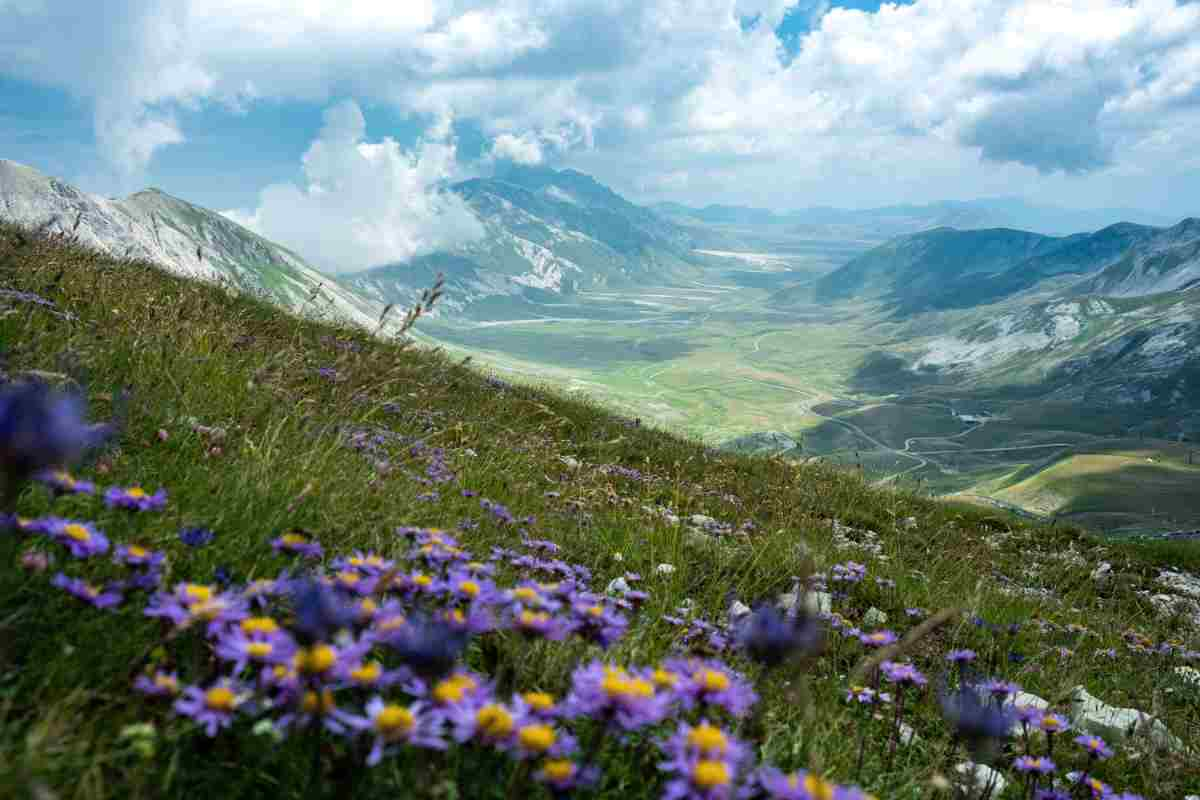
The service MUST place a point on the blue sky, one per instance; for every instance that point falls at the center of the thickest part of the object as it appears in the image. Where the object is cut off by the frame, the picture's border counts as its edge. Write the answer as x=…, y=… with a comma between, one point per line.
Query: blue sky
x=1079, y=103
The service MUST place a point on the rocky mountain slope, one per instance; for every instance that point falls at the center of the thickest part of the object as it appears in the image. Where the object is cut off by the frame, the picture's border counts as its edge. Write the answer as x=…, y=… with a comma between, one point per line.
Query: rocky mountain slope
x=948, y=268
x=887, y=222
x=1128, y=334
x=185, y=239
x=548, y=234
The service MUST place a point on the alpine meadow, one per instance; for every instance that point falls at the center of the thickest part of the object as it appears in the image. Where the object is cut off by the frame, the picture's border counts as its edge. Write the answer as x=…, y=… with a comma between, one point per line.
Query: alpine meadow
x=672, y=399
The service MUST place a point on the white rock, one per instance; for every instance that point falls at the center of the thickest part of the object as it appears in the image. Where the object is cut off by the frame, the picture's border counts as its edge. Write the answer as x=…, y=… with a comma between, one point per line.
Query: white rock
x=1102, y=573
x=1188, y=675
x=618, y=586
x=981, y=780
x=908, y=523
x=701, y=520
x=739, y=610
x=665, y=569
x=1093, y=715
x=907, y=734
x=1180, y=582
x=814, y=602
x=571, y=463
x=874, y=617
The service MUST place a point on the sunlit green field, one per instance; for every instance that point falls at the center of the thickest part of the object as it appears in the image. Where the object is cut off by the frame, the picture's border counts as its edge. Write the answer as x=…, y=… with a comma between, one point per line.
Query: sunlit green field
x=713, y=360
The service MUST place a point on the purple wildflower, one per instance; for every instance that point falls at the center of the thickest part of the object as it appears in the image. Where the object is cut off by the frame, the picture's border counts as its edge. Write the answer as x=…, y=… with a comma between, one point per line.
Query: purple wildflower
x=62, y=483
x=711, y=683
x=975, y=721
x=195, y=536
x=770, y=638
x=881, y=638
x=100, y=598
x=214, y=707
x=429, y=648
x=135, y=498
x=616, y=696
x=1034, y=764
x=902, y=674
x=1095, y=747
x=394, y=724
x=81, y=538
x=160, y=684
x=132, y=555
x=298, y=543
x=961, y=656
x=41, y=428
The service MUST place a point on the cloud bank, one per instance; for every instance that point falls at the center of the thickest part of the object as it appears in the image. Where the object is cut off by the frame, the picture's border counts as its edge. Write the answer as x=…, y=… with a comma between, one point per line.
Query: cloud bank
x=699, y=100
x=364, y=203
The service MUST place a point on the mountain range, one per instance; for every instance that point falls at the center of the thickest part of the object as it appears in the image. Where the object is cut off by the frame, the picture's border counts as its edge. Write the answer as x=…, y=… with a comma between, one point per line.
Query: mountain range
x=990, y=304
x=886, y=222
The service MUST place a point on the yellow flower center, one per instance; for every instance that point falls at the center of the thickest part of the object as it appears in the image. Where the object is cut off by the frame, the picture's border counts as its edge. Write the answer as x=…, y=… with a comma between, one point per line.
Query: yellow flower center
x=391, y=623
x=351, y=578
x=367, y=673
x=317, y=659
x=707, y=739
x=453, y=689
x=422, y=580
x=558, y=769
x=617, y=683
x=252, y=625
x=712, y=680
x=393, y=721
x=367, y=607
x=321, y=704
x=531, y=618
x=206, y=609
x=136, y=491
x=537, y=738
x=539, y=701
x=665, y=678
x=548, y=587
x=469, y=588
x=596, y=611
x=77, y=532
x=197, y=592
x=259, y=649
x=456, y=616
x=168, y=682
x=475, y=566
x=525, y=593
x=710, y=774
x=137, y=551
x=818, y=789
x=494, y=721
x=220, y=698
x=293, y=539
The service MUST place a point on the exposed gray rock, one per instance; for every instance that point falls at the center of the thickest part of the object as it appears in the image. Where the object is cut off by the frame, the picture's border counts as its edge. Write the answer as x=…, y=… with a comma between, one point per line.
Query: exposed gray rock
x=1115, y=724
x=874, y=617
x=739, y=611
x=1188, y=675
x=981, y=781
x=813, y=602
x=665, y=569
x=907, y=524
x=1102, y=573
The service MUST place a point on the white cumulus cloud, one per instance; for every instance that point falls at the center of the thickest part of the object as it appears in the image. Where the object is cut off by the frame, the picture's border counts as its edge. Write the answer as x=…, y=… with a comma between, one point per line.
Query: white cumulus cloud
x=364, y=203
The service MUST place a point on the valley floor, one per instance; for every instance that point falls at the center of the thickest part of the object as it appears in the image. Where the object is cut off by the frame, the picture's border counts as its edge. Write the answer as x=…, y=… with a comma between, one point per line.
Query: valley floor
x=712, y=359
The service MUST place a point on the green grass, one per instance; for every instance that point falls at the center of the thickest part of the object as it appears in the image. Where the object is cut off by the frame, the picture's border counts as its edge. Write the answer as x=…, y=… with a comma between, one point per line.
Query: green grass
x=185, y=351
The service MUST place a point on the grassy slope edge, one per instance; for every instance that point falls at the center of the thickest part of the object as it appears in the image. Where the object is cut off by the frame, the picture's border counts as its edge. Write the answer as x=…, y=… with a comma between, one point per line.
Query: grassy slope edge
x=188, y=352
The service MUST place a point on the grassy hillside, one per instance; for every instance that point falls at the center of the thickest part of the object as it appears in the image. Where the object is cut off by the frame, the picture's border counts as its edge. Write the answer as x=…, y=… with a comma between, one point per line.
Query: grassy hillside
x=261, y=426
